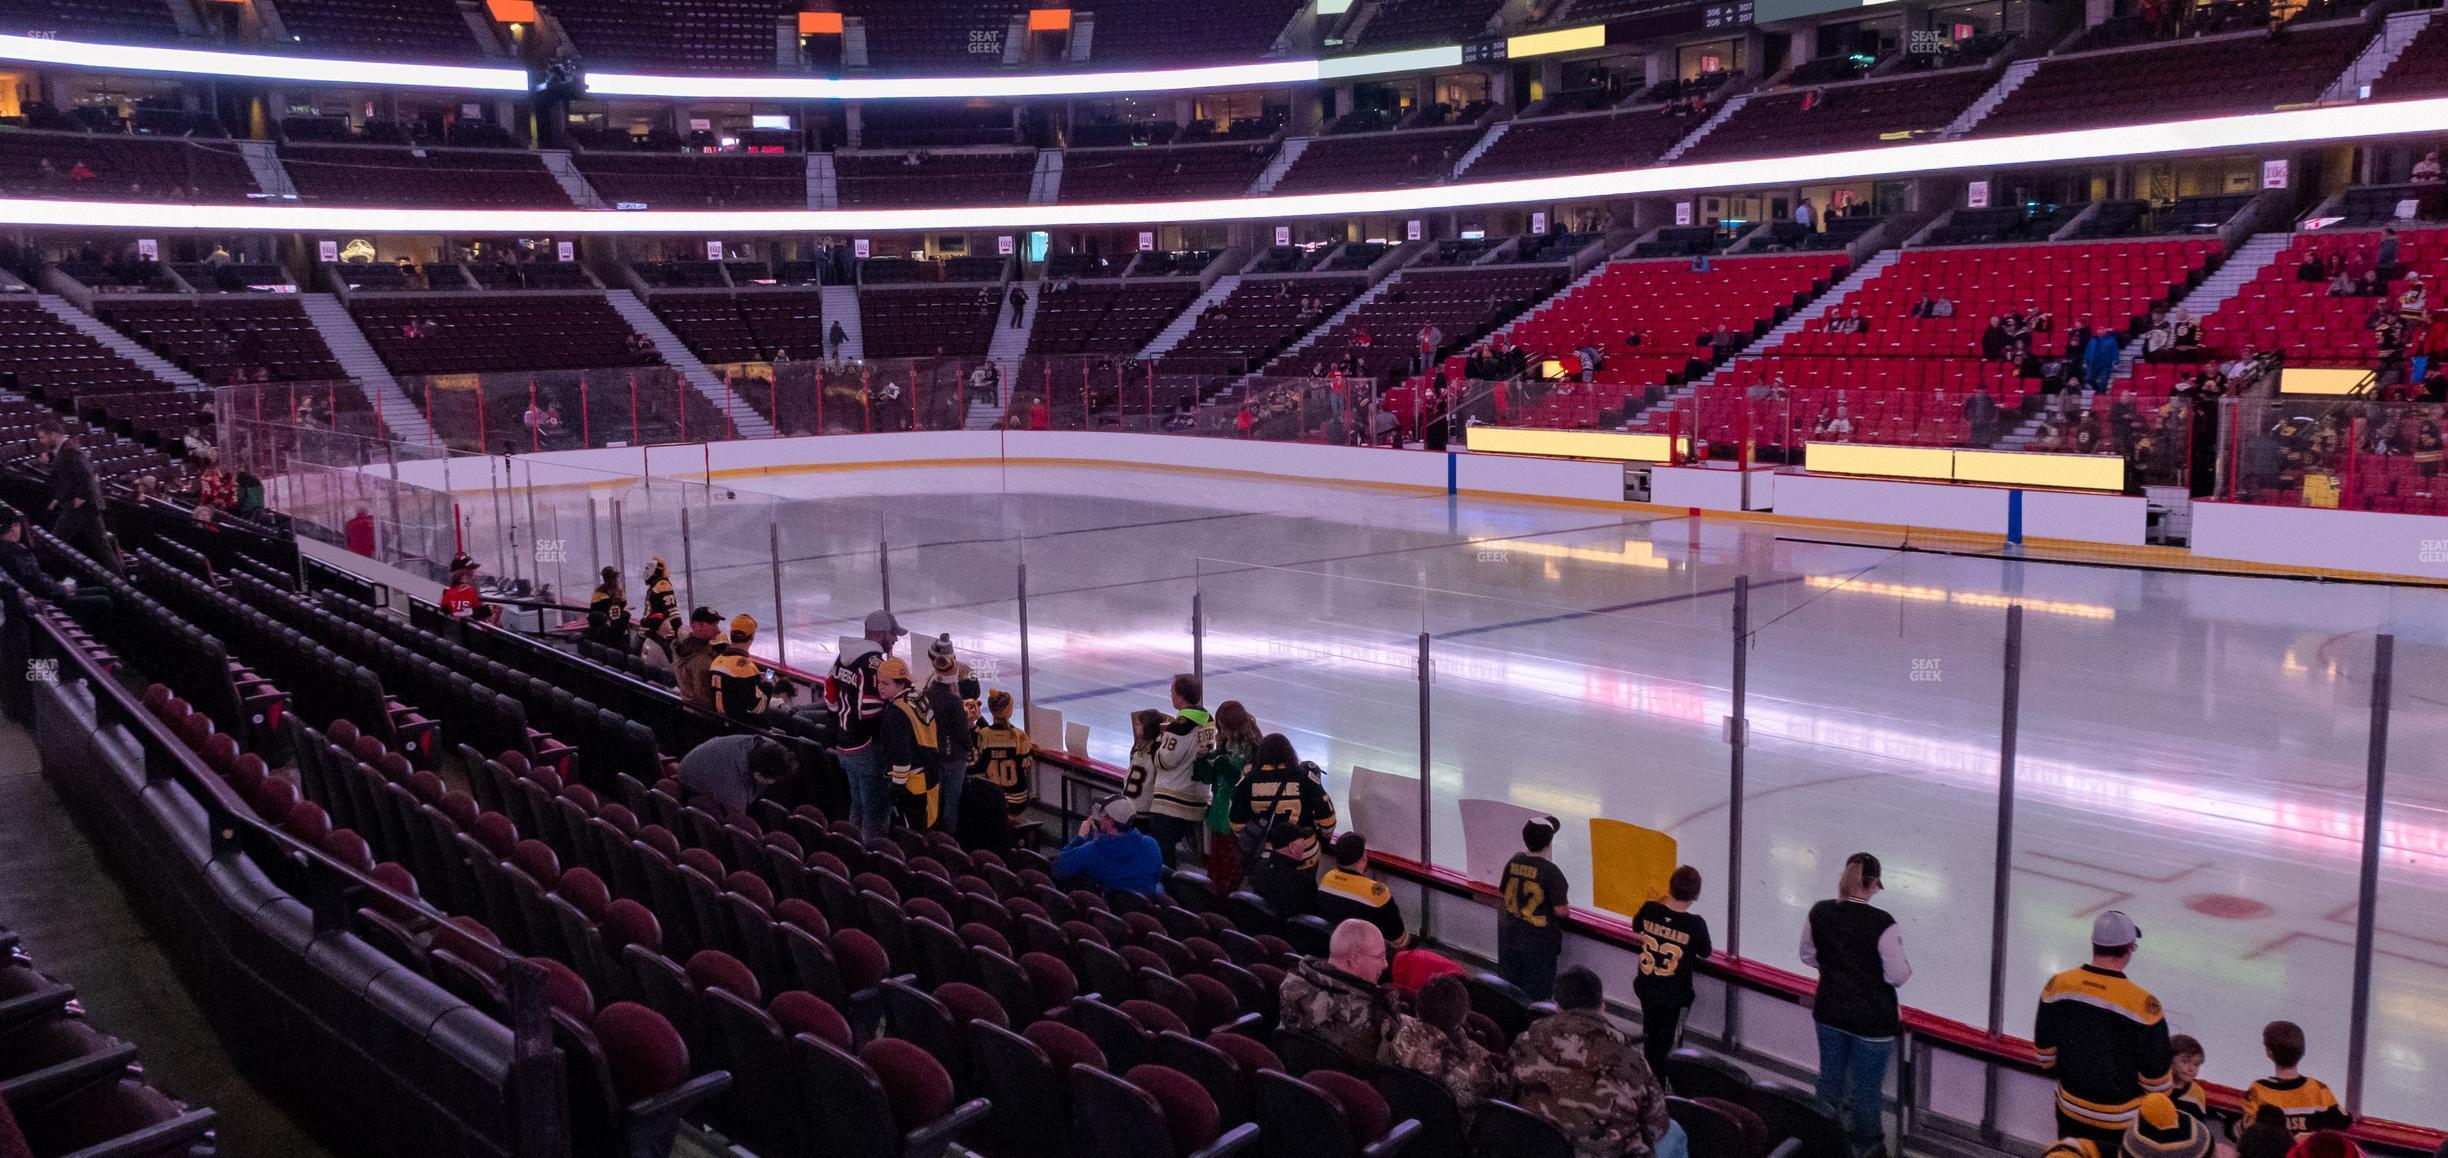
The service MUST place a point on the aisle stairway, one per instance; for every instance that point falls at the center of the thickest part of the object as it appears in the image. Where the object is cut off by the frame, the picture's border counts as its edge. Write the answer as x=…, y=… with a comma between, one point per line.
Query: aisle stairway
x=735, y=410
x=116, y=342
x=1817, y=306
x=841, y=304
x=401, y=416
x=1187, y=320
x=1011, y=342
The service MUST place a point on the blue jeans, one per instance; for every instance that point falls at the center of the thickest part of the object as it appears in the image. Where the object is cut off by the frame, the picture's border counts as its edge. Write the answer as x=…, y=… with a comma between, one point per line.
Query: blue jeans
x=1852, y=1080
x=869, y=807
x=1676, y=1143
x=951, y=772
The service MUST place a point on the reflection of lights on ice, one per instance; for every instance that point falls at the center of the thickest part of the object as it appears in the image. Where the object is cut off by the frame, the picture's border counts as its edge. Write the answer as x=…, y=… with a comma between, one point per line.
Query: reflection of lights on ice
x=2159, y=800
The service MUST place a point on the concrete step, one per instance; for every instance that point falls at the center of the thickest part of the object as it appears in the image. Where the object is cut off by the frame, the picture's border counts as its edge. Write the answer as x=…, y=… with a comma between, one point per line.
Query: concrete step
x=823, y=191
x=1724, y=111
x=2007, y=83
x=1814, y=308
x=263, y=161
x=1010, y=342
x=2236, y=271
x=1187, y=320
x=564, y=169
x=2376, y=57
x=116, y=342
x=402, y=418
x=1486, y=141
x=841, y=304
x=1291, y=151
x=742, y=417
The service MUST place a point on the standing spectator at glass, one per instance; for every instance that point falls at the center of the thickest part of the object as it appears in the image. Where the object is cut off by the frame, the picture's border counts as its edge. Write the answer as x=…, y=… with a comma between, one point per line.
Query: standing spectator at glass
x=1530, y=925
x=1859, y=953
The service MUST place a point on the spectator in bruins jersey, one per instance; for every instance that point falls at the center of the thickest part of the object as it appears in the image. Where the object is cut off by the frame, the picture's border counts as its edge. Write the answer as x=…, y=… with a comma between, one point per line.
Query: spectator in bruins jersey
x=905, y=744
x=2306, y=1101
x=1530, y=925
x=2186, y=1088
x=1281, y=876
x=2160, y=1130
x=1177, y=798
x=951, y=689
x=2104, y=1037
x=1006, y=761
x=608, y=612
x=1280, y=789
x=660, y=598
x=740, y=688
x=1349, y=891
x=1673, y=938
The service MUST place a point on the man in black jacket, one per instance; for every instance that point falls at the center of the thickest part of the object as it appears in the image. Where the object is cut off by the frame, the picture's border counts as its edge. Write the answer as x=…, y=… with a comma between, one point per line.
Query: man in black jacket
x=76, y=495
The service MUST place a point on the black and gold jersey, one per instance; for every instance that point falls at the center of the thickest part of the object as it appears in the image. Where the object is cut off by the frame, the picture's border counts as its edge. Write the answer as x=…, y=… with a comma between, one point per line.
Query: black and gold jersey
x=2306, y=1102
x=737, y=682
x=1532, y=890
x=1005, y=758
x=2106, y=1040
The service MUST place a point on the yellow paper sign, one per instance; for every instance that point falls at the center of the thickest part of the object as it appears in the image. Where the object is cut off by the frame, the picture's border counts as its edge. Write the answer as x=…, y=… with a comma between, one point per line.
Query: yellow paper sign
x=1630, y=864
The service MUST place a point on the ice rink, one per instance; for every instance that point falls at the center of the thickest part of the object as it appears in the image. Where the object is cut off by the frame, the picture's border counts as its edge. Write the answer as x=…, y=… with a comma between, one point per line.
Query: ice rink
x=2192, y=747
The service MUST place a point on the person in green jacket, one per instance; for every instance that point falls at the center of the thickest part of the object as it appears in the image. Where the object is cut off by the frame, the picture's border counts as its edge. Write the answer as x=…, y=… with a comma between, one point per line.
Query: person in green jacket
x=1221, y=769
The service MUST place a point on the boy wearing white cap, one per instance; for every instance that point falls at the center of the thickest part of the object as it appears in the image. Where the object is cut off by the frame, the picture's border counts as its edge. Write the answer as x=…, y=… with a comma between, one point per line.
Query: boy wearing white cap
x=2104, y=1037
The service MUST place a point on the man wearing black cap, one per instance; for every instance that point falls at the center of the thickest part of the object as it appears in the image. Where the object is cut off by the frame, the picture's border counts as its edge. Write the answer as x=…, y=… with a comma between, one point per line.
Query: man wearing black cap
x=2104, y=1037
x=1530, y=926
x=693, y=657
x=461, y=600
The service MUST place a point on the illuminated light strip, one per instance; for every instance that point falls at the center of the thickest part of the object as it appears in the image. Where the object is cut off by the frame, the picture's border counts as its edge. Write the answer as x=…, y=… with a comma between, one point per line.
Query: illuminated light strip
x=1915, y=594
x=262, y=66
x=2259, y=130
x=255, y=66
x=1560, y=40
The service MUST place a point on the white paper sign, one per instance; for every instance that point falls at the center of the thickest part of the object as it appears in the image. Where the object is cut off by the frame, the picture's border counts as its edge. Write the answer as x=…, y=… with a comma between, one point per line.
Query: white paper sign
x=714, y=251
x=568, y=250
x=858, y=248
x=1147, y=241
x=327, y=251
x=2274, y=174
x=1411, y=231
x=1283, y=235
x=1491, y=834
x=1386, y=807
x=1538, y=222
x=148, y=249
x=1683, y=212
x=1976, y=195
x=1003, y=245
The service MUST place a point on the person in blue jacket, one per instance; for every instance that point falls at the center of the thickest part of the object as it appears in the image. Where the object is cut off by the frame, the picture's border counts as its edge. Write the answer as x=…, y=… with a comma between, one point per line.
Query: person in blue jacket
x=2100, y=359
x=1109, y=854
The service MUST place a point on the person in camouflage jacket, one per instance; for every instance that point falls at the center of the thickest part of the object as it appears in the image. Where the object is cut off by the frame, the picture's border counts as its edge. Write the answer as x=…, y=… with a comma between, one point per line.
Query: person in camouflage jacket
x=1577, y=1070
x=1339, y=999
x=1434, y=1044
